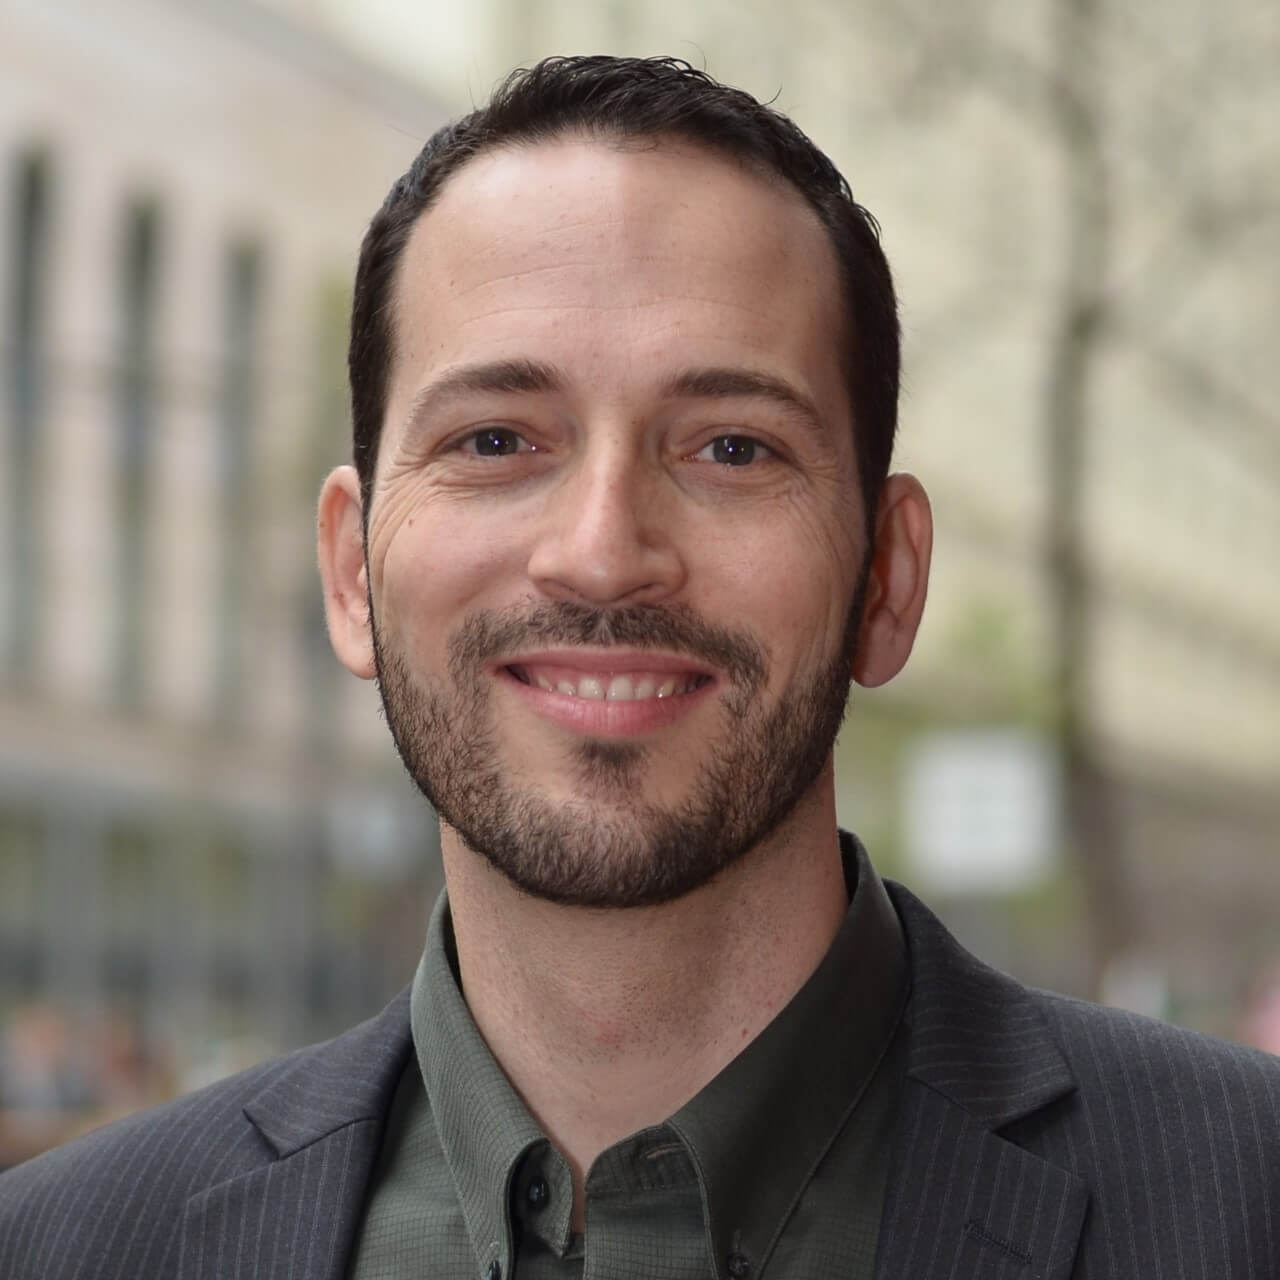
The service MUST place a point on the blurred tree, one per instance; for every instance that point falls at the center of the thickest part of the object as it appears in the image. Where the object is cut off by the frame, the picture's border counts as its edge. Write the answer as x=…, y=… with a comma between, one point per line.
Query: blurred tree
x=1161, y=120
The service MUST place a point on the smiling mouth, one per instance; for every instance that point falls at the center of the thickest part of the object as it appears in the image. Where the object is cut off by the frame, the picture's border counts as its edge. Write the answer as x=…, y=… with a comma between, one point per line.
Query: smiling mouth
x=619, y=686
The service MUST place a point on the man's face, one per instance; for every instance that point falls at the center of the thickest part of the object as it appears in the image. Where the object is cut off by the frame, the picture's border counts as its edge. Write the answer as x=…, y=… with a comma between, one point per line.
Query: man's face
x=615, y=536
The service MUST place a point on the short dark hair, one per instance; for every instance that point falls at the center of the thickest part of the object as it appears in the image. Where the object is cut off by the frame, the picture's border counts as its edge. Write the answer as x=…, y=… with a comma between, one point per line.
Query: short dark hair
x=638, y=98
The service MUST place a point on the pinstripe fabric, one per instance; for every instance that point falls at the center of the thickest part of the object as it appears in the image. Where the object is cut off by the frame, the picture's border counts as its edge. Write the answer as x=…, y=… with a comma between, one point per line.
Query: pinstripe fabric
x=1039, y=1138
x=261, y=1175
x=1049, y=1138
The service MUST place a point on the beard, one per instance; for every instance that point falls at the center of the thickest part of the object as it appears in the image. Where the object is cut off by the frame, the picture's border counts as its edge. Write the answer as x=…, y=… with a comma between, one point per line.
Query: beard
x=609, y=847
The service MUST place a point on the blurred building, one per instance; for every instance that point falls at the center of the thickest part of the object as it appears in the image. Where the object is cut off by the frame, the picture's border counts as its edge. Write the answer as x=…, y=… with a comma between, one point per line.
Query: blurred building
x=202, y=826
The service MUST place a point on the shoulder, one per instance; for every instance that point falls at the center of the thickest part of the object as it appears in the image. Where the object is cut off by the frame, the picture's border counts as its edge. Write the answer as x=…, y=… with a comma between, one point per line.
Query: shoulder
x=1177, y=1135
x=1205, y=1091
x=127, y=1183
x=111, y=1204
x=1101, y=1040
x=1110, y=1052
x=1173, y=1136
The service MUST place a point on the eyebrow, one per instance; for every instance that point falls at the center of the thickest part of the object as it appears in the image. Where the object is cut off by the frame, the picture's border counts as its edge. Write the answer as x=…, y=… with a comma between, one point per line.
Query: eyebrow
x=735, y=383
x=494, y=377
x=532, y=377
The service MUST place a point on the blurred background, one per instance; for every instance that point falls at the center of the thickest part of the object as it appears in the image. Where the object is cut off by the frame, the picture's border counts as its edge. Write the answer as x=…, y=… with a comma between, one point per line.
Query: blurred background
x=208, y=851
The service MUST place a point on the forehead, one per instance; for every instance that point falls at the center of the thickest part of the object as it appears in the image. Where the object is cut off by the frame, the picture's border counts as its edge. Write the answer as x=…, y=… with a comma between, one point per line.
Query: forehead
x=551, y=242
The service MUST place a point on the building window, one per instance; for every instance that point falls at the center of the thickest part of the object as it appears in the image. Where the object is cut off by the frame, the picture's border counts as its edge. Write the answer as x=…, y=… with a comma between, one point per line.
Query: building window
x=26, y=348
x=137, y=408
x=239, y=407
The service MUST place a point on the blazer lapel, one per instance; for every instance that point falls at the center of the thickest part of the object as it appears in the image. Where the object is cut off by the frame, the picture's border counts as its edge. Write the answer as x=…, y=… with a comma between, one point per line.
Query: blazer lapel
x=294, y=1215
x=964, y=1202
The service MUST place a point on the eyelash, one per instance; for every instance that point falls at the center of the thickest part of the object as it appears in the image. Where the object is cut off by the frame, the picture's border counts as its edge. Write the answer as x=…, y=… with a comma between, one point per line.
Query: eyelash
x=740, y=441
x=474, y=436
x=753, y=446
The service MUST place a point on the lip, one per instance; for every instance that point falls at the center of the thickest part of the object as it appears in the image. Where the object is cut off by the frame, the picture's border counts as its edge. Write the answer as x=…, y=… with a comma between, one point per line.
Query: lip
x=602, y=718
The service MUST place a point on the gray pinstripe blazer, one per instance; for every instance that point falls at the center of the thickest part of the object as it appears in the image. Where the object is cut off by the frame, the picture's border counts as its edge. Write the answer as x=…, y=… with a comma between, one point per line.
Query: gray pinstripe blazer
x=1040, y=1137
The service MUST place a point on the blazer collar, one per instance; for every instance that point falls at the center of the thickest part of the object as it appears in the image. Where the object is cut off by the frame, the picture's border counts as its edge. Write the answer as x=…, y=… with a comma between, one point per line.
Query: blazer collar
x=963, y=1199
x=337, y=1083
x=293, y=1215
x=977, y=1036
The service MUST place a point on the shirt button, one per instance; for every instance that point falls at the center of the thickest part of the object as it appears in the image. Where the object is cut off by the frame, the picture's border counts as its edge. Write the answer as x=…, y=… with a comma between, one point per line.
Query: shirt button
x=537, y=1193
x=738, y=1266
x=493, y=1271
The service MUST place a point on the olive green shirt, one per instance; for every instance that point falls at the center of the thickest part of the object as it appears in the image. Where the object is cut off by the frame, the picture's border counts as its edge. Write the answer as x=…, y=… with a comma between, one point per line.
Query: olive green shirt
x=776, y=1169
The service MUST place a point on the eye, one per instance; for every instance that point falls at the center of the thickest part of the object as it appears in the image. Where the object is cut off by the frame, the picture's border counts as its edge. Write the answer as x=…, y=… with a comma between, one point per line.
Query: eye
x=733, y=451
x=495, y=442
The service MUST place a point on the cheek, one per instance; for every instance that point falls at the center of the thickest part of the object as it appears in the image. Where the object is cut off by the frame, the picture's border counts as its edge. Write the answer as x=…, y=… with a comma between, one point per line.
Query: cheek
x=830, y=553
x=433, y=562
x=789, y=577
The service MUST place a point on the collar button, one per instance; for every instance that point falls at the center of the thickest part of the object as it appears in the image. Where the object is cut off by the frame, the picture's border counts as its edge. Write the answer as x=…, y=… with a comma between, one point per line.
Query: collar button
x=537, y=1193
x=738, y=1265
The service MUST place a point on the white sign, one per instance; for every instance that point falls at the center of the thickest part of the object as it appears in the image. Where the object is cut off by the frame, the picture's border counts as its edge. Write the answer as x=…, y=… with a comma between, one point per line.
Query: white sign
x=981, y=810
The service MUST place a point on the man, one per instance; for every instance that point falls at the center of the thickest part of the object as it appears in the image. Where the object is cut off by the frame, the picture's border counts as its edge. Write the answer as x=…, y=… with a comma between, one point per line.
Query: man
x=619, y=534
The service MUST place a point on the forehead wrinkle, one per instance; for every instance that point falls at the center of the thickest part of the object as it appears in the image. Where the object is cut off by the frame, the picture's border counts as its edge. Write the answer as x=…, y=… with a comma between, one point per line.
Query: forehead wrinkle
x=564, y=308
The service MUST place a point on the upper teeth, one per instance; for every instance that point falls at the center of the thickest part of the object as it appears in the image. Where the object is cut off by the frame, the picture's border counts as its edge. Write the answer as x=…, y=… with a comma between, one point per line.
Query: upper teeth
x=619, y=688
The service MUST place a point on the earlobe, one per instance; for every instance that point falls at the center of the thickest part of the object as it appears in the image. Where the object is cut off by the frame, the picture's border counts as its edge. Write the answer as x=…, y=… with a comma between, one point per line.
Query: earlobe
x=340, y=549
x=897, y=583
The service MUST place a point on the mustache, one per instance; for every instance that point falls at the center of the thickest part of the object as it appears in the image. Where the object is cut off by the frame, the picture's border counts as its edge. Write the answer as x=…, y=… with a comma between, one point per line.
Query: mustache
x=674, y=628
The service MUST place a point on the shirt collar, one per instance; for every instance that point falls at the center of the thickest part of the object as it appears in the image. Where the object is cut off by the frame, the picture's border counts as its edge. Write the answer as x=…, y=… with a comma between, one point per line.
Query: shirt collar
x=755, y=1133
x=485, y=1129
x=759, y=1129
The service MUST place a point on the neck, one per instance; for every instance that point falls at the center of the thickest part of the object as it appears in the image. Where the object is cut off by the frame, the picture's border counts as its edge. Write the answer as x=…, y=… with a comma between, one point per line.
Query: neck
x=608, y=1021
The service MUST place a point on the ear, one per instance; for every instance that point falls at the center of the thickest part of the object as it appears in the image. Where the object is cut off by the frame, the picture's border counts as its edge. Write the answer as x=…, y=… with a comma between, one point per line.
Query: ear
x=340, y=544
x=897, y=581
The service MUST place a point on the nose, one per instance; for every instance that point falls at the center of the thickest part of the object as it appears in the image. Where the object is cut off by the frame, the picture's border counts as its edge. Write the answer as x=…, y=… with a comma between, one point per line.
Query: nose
x=607, y=537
